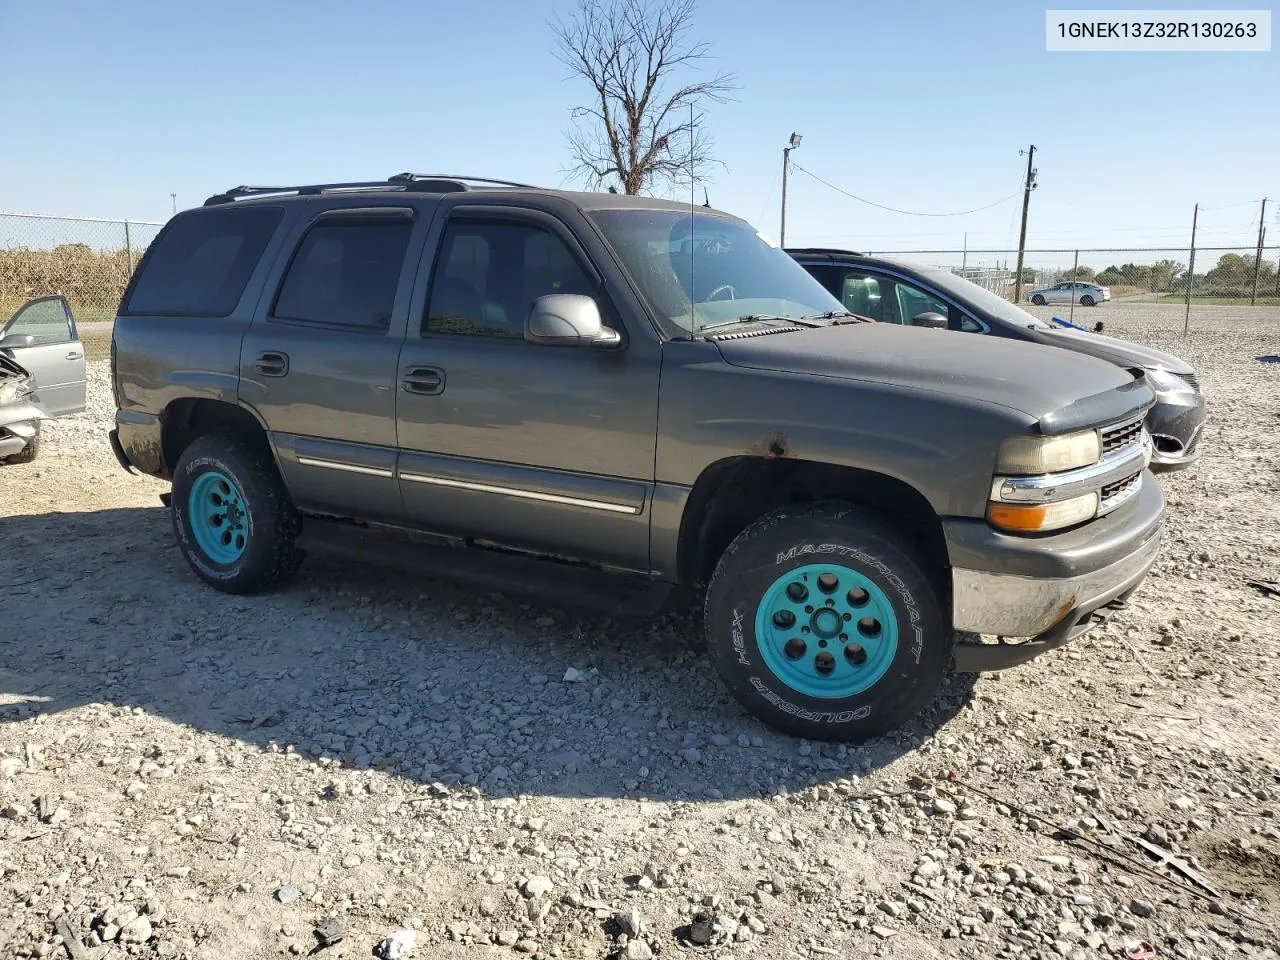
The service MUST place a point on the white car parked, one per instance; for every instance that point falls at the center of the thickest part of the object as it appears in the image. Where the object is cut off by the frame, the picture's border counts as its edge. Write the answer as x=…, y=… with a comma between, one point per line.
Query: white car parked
x=1085, y=294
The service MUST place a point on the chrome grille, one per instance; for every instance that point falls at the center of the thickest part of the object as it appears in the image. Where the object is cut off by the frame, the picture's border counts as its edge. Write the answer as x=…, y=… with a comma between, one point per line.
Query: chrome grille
x=1113, y=494
x=1114, y=438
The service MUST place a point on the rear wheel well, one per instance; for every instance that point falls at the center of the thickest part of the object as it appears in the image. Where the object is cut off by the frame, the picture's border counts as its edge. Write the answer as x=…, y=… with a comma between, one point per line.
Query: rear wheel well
x=189, y=419
x=733, y=493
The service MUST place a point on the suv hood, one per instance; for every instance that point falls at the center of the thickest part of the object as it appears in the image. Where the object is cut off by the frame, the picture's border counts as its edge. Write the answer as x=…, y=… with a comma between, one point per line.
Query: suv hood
x=1014, y=374
x=1113, y=350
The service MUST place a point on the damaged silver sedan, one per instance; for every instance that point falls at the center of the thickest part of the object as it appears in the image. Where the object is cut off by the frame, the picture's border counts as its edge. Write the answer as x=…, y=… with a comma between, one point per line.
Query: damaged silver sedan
x=20, y=415
x=42, y=374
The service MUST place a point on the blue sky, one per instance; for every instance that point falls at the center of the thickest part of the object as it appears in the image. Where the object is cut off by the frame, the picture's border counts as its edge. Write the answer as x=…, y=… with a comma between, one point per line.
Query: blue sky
x=108, y=108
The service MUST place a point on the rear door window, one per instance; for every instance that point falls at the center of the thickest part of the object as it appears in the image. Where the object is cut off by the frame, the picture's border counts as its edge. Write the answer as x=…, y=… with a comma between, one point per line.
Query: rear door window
x=345, y=273
x=201, y=262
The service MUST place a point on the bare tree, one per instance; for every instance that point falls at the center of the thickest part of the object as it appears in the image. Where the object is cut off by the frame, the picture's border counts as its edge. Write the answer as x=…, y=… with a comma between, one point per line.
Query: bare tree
x=637, y=129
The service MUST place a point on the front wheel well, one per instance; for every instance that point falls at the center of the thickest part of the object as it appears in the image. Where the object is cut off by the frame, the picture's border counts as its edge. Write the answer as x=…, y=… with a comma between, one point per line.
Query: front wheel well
x=733, y=493
x=189, y=419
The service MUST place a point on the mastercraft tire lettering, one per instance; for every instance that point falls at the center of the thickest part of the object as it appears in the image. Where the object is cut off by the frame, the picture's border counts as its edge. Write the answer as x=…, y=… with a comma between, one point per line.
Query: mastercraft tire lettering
x=837, y=638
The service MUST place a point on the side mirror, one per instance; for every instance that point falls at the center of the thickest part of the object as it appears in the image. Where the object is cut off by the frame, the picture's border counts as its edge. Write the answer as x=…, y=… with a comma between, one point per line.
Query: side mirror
x=568, y=320
x=929, y=319
x=14, y=340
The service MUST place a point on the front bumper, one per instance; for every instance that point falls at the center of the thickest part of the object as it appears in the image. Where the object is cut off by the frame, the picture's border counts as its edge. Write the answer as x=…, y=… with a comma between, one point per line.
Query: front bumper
x=22, y=412
x=1051, y=589
x=1175, y=424
x=19, y=424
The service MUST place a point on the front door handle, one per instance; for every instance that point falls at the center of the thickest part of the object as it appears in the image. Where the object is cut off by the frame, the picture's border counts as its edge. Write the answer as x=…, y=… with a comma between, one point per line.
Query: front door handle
x=272, y=363
x=424, y=380
x=74, y=355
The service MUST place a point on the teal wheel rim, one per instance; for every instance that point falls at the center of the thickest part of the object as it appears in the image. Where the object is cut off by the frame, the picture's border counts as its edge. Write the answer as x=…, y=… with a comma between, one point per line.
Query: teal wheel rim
x=826, y=631
x=218, y=518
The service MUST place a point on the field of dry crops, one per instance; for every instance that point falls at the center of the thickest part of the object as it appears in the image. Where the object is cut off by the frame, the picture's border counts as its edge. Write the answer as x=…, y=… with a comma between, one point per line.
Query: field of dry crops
x=92, y=280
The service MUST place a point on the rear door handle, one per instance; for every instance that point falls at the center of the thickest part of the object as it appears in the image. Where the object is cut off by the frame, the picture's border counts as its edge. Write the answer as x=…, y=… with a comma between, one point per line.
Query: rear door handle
x=272, y=363
x=424, y=380
x=74, y=355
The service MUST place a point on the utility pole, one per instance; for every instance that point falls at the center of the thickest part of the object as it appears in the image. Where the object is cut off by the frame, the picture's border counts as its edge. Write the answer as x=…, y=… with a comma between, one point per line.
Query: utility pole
x=174, y=198
x=1022, y=236
x=1191, y=270
x=1075, y=273
x=786, y=162
x=1257, y=261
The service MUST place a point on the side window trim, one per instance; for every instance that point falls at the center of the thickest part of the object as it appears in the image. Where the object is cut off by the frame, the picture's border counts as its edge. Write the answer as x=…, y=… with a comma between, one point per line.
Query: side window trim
x=510, y=214
x=289, y=251
x=527, y=215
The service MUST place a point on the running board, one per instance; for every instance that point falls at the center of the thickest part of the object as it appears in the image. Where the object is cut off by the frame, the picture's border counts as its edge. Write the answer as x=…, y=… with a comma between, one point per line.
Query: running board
x=566, y=584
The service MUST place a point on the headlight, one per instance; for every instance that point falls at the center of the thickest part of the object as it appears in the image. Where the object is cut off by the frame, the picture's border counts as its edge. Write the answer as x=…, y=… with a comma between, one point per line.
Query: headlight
x=1165, y=382
x=14, y=389
x=1036, y=455
x=1042, y=517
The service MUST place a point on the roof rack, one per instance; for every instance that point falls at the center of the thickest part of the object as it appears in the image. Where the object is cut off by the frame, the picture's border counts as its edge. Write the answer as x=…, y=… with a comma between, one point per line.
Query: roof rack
x=835, y=251
x=462, y=180
x=408, y=182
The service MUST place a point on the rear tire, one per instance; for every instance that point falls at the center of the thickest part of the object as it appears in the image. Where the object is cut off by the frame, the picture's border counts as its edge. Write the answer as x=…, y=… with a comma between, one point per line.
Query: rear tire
x=824, y=623
x=1038, y=300
x=1087, y=301
x=27, y=453
x=232, y=516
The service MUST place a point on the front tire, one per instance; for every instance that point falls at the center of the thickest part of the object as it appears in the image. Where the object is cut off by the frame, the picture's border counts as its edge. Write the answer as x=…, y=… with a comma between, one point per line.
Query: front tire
x=824, y=623
x=1087, y=301
x=27, y=453
x=1038, y=300
x=232, y=516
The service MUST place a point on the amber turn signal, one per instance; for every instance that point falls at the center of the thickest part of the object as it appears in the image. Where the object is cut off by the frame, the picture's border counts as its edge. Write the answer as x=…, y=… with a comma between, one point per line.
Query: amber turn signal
x=1022, y=519
x=1041, y=517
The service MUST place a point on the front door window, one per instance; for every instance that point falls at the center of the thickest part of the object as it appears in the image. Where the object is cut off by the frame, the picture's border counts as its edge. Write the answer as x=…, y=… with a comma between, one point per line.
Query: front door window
x=47, y=320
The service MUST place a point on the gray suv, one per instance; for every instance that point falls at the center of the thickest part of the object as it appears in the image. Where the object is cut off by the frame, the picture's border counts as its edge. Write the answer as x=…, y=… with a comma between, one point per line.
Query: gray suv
x=547, y=390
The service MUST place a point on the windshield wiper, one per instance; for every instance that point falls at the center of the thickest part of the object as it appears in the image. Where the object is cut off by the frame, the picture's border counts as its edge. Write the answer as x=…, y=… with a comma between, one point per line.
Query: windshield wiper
x=760, y=318
x=837, y=316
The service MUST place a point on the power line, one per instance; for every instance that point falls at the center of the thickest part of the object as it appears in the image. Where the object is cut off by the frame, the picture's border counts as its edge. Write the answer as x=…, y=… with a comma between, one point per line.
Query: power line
x=769, y=196
x=909, y=213
x=1224, y=206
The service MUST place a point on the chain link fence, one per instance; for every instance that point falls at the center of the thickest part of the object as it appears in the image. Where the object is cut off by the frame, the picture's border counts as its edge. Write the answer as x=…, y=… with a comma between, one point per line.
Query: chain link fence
x=1215, y=275
x=85, y=260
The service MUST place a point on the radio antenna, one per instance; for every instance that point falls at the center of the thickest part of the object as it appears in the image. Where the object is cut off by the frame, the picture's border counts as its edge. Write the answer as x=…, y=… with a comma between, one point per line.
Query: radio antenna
x=693, y=243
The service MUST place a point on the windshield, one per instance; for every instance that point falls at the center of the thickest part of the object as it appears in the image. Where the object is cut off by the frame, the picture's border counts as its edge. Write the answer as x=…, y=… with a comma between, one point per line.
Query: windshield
x=980, y=299
x=698, y=270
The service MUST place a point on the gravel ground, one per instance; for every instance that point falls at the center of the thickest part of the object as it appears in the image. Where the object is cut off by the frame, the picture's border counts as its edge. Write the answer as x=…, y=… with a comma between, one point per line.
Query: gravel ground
x=186, y=774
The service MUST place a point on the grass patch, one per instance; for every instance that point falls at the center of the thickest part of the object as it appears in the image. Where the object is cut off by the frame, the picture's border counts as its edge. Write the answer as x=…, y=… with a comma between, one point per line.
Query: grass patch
x=1211, y=301
x=1127, y=290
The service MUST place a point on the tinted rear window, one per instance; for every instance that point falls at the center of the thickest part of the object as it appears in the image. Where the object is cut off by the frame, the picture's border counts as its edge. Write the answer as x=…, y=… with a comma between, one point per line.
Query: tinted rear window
x=345, y=273
x=201, y=262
